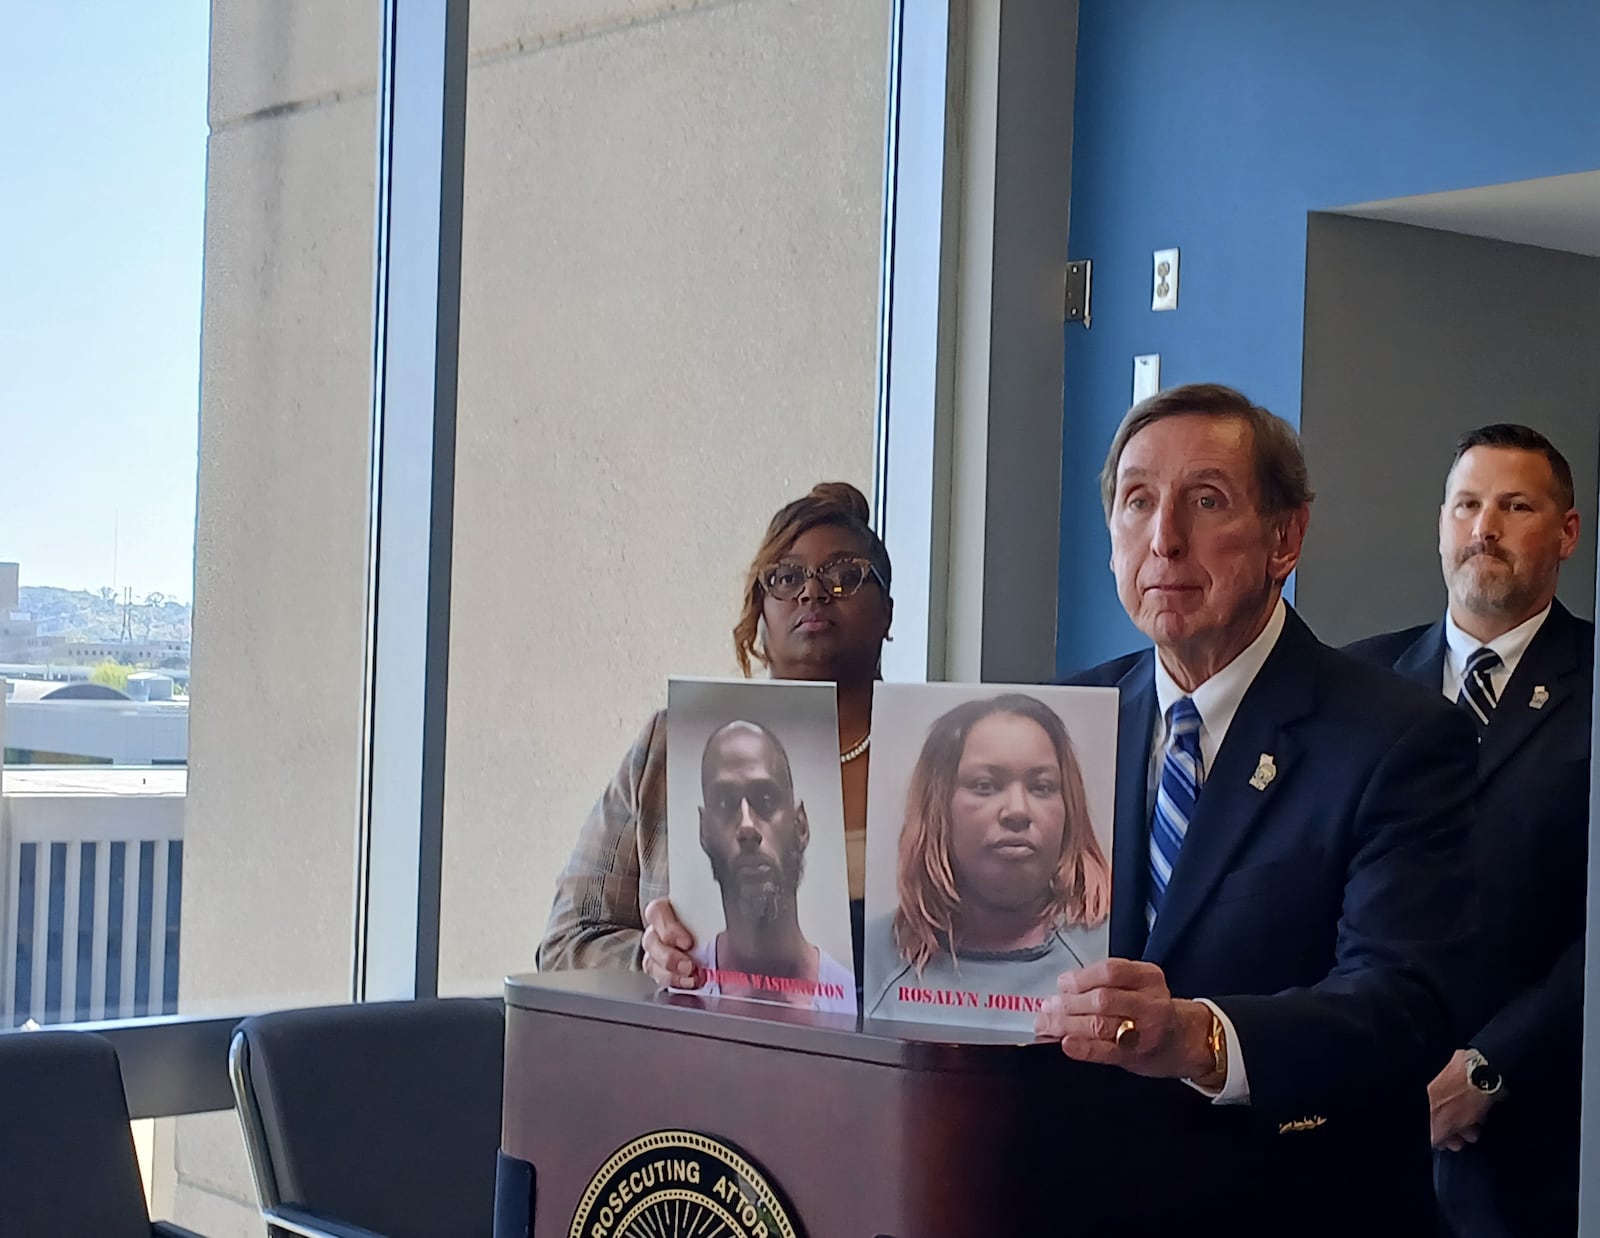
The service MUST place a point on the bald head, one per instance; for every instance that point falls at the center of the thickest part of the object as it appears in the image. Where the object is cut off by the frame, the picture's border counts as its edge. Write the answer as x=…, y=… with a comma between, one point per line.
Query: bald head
x=739, y=743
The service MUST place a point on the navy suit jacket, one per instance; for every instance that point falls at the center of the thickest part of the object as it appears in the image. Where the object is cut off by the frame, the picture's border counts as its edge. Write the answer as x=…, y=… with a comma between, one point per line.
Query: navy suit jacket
x=1529, y=852
x=1326, y=913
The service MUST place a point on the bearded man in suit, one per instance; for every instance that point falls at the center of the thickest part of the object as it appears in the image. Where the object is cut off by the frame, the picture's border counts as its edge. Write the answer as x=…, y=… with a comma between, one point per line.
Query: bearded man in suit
x=1505, y=1107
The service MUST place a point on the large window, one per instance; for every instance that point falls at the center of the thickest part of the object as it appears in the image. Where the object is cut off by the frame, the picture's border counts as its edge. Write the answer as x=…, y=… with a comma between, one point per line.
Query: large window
x=101, y=238
x=218, y=349
x=185, y=418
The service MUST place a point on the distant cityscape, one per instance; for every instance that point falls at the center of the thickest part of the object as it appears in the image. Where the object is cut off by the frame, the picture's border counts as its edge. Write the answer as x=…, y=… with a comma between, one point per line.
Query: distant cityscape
x=91, y=678
x=44, y=626
x=95, y=724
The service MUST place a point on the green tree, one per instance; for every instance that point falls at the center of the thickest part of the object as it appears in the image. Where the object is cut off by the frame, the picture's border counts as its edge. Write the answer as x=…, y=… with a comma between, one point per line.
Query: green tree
x=112, y=674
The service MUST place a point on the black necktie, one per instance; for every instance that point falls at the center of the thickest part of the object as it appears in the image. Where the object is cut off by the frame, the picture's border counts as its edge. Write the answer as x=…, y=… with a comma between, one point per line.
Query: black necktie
x=1477, y=691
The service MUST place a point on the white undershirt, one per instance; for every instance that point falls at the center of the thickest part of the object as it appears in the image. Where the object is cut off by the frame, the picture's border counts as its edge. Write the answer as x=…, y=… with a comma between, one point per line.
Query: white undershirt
x=1459, y=646
x=1217, y=701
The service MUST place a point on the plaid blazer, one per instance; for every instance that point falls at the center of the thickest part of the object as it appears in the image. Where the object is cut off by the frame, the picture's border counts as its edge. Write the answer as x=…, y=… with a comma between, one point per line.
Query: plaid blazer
x=617, y=867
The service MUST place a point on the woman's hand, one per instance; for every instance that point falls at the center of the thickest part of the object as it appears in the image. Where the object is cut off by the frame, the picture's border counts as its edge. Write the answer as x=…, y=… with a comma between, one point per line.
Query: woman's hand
x=666, y=948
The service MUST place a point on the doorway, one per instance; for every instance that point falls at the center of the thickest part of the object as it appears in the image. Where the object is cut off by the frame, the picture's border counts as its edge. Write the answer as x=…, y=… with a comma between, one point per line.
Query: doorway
x=1426, y=317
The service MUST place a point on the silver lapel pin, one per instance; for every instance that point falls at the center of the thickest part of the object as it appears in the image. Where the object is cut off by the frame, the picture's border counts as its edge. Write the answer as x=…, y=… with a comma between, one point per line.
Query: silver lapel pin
x=1266, y=771
x=1539, y=697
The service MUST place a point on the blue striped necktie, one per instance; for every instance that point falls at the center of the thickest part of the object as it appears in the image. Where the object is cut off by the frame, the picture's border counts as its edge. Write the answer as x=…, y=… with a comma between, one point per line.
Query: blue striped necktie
x=1477, y=689
x=1182, y=776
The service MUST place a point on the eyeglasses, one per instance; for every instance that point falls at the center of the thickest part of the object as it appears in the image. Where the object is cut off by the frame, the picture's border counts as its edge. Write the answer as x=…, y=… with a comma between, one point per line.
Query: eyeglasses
x=840, y=578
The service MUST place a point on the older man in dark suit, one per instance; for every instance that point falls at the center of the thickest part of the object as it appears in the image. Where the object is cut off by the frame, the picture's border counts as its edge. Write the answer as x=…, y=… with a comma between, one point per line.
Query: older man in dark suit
x=1289, y=893
x=1506, y=1105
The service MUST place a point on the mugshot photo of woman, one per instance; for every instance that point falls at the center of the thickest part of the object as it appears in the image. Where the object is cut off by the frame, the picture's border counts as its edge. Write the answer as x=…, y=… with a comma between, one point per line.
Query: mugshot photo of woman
x=1001, y=882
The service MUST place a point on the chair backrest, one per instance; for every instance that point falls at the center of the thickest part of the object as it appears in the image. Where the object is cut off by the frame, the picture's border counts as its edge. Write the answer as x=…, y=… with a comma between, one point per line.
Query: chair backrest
x=383, y=1115
x=67, y=1164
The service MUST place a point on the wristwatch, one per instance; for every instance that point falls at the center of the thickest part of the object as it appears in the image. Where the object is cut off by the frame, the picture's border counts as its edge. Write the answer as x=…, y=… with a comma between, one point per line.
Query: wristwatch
x=1480, y=1074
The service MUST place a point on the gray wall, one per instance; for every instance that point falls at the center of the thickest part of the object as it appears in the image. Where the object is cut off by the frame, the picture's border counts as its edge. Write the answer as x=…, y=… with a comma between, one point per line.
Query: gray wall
x=280, y=547
x=1021, y=519
x=669, y=298
x=1413, y=336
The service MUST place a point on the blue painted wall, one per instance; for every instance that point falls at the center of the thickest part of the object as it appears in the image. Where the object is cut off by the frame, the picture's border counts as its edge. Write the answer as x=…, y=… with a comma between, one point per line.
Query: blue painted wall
x=1215, y=126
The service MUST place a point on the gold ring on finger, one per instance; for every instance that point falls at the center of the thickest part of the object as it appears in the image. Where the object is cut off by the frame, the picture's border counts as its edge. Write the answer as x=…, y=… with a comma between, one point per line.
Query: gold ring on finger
x=1127, y=1035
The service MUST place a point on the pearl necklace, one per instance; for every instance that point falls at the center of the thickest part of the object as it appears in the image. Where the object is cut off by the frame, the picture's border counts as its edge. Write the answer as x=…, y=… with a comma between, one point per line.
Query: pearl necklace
x=856, y=749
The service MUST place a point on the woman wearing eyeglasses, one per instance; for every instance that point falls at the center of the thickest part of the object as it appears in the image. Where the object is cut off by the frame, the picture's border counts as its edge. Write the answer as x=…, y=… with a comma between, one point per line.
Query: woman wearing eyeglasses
x=817, y=607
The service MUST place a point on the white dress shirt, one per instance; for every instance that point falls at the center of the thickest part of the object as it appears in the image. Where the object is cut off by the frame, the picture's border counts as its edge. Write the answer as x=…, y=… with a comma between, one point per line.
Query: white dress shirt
x=1217, y=701
x=1458, y=647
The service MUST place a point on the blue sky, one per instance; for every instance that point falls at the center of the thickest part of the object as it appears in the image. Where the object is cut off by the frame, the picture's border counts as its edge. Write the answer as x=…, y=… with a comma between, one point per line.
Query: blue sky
x=102, y=214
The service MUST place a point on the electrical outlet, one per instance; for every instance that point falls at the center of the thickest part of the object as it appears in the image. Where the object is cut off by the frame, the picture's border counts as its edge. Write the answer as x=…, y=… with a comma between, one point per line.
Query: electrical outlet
x=1164, y=287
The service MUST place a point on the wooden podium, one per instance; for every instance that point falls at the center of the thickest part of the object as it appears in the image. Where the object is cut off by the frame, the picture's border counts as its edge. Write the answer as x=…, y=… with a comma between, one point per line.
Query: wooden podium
x=872, y=1129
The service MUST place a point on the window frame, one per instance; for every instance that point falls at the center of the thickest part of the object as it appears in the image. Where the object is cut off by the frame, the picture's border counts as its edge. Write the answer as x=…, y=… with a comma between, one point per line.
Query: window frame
x=175, y=1065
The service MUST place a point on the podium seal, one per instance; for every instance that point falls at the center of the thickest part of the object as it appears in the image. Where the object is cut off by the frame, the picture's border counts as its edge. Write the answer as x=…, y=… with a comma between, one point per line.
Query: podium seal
x=680, y=1184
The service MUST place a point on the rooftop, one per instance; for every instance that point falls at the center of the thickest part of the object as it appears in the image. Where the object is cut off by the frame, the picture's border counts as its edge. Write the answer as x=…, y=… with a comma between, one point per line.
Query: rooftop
x=94, y=780
x=34, y=692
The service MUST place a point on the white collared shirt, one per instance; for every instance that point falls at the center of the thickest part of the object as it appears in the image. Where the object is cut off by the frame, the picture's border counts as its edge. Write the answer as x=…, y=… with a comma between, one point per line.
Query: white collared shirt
x=1459, y=646
x=1217, y=701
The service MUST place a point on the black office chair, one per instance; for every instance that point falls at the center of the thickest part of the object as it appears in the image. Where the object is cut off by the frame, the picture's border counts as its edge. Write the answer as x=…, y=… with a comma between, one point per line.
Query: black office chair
x=373, y=1121
x=67, y=1164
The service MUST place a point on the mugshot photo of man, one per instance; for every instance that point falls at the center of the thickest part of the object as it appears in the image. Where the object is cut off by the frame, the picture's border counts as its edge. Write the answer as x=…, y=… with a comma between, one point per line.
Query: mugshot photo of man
x=754, y=831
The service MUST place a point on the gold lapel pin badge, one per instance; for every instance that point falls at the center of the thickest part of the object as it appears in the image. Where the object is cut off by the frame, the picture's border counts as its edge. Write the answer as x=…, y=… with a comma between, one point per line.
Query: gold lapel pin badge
x=1266, y=771
x=1539, y=697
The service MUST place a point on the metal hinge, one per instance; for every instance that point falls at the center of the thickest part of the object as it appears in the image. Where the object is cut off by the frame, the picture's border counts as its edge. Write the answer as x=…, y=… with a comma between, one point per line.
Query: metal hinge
x=1077, y=303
